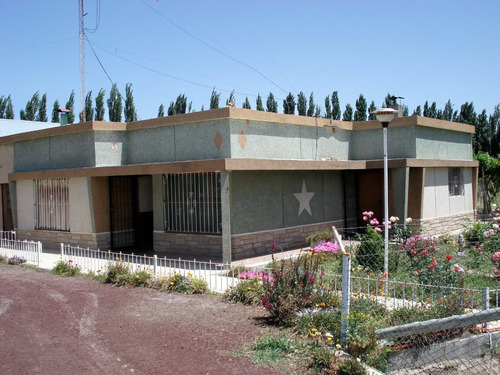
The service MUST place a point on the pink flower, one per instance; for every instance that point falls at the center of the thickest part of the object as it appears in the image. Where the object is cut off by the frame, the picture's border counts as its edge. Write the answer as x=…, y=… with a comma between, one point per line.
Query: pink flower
x=495, y=257
x=377, y=229
x=273, y=246
x=374, y=222
x=496, y=271
x=365, y=218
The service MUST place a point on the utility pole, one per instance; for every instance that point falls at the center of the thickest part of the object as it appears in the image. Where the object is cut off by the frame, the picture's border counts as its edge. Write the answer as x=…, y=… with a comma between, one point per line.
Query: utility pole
x=82, y=61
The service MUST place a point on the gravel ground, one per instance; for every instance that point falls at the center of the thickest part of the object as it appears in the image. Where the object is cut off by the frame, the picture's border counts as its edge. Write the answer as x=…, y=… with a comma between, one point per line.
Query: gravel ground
x=61, y=325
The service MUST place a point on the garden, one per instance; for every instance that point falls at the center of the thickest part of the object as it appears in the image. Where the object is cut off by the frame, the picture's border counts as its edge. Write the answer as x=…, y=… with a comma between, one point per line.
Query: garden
x=428, y=278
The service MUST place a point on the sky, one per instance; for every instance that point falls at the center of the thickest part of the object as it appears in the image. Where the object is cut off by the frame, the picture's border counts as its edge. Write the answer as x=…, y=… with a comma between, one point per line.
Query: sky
x=425, y=50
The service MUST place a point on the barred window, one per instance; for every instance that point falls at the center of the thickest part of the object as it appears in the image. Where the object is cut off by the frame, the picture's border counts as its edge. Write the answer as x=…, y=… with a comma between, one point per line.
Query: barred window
x=456, y=181
x=51, y=198
x=192, y=202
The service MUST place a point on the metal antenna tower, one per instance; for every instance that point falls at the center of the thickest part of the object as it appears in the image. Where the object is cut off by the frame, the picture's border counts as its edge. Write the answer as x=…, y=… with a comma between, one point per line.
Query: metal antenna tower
x=81, y=14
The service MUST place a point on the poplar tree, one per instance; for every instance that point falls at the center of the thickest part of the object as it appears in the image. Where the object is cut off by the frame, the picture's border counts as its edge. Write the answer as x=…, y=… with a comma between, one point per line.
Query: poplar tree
x=328, y=107
x=360, y=113
x=335, y=106
x=161, y=111
x=31, y=109
x=55, y=112
x=246, y=103
x=271, y=103
x=42, y=109
x=70, y=104
x=129, y=110
x=89, y=109
x=301, y=104
x=311, y=110
x=371, y=109
x=258, y=103
x=115, y=104
x=99, y=105
x=6, y=109
x=347, y=113
x=214, y=99
x=289, y=104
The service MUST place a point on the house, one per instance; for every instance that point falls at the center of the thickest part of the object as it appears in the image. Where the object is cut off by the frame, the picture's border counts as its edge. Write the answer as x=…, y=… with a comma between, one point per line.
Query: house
x=226, y=183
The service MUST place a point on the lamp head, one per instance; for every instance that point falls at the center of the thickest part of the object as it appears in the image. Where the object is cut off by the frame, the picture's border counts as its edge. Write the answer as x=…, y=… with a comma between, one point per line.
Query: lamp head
x=385, y=115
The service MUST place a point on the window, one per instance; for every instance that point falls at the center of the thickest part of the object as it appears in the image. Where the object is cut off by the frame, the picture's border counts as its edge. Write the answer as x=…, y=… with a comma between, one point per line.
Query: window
x=456, y=181
x=51, y=197
x=192, y=202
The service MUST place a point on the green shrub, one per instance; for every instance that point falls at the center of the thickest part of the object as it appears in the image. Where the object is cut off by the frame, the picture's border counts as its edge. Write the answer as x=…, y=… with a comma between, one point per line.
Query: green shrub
x=319, y=236
x=248, y=292
x=199, y=286
x=142, y=278
x=117, y=270
x=3, y=259
x=292, y=288
x=370, y=252
x=350, y=367
x=66, y=268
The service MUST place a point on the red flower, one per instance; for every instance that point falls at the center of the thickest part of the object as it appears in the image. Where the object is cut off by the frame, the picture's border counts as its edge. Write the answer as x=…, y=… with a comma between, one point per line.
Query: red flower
x=433, y=259
x=448, y=256
x=432, y=266
x=425, y=252
x=419, y=272
x=414, y=252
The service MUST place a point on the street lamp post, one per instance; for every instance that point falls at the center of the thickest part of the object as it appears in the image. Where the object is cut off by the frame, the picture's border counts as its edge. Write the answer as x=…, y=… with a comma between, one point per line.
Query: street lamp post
x=385, y=116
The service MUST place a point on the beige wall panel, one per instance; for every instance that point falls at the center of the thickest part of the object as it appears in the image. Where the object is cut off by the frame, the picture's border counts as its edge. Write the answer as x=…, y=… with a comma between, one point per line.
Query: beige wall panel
x=25, y=206
x=100, y=203
x=79, y=206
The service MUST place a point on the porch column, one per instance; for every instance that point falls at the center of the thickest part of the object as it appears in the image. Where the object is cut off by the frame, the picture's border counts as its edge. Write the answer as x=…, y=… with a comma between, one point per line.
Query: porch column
x=225, y=185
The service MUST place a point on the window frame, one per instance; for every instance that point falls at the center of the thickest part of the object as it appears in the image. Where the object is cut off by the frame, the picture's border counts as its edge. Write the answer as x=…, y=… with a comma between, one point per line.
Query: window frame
x=456, y=182
x=192, y=203
x=51, y=204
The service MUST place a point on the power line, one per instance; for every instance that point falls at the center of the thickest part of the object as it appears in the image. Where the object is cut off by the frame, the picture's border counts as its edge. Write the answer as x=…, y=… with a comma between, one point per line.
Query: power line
x=214, y=48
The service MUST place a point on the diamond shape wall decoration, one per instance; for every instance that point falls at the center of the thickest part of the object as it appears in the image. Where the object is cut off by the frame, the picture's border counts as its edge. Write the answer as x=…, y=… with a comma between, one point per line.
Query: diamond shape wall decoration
x=242, y=139
x=218, y=140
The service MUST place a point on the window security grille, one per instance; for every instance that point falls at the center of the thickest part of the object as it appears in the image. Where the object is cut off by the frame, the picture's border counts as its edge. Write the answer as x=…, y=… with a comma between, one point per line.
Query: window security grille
x=192, y=202
x=51, y=199
x=455, y=181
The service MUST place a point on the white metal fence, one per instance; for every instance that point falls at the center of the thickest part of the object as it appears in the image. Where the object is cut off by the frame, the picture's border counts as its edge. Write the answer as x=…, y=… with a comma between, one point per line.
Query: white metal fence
x=31, y=251
x=217, y=275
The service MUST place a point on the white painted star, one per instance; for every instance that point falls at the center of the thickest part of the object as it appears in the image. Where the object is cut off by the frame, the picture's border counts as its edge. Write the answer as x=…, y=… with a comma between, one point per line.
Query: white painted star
x=304, y=199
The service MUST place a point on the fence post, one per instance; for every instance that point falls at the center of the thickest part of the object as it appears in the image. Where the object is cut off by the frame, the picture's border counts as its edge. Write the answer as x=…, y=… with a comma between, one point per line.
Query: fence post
x=40, y=250
x=486, y=302
x=346, y=289
x=155, y=258
x=62, y=252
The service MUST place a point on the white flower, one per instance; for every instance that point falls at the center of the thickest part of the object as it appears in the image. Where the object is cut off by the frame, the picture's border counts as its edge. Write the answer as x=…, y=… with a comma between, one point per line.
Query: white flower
x=394, y=219
x=409, y=220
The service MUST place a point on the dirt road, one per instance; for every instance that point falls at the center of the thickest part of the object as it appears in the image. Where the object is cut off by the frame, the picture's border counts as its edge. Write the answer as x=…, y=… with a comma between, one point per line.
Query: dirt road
x=61, y=325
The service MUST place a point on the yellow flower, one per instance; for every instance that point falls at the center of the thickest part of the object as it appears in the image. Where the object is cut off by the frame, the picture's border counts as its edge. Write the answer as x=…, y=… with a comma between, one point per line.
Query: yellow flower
x=358, y=360
x=329, y=338
x=249, y=288
x=314, y=330
x=338, y=346
x=171, y=283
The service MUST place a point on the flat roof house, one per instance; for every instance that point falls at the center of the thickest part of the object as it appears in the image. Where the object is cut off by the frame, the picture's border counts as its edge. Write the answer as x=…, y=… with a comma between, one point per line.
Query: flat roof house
x=226, y=183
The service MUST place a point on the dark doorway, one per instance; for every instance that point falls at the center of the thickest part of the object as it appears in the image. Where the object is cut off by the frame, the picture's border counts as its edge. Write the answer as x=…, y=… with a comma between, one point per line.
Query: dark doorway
x=8, y=222
x=131, y=212
x=351, y=201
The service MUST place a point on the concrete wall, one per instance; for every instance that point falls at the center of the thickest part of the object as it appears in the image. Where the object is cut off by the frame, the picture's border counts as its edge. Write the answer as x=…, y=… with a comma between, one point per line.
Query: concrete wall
x=80, y=215
x=262, y=200
x=55, y=152
x=369, y=144
x=267, y=140
x=434, y=143
x=111, y=148
x=437, y=200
